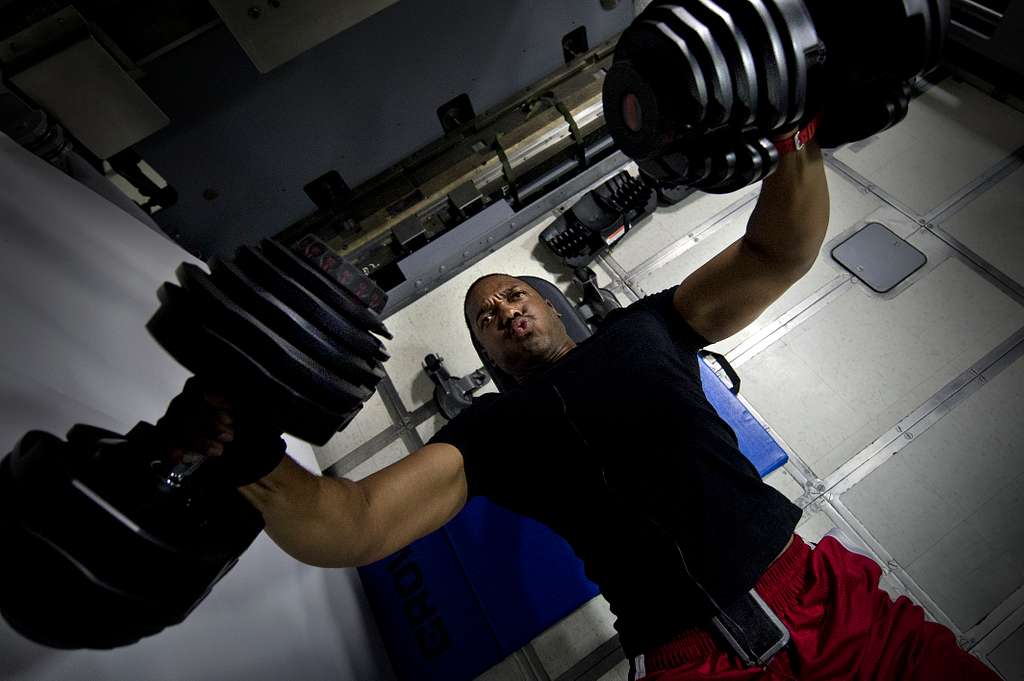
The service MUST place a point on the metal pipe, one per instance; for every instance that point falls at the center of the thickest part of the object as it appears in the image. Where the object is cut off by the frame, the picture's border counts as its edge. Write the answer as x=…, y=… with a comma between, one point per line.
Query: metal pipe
x=566, y=166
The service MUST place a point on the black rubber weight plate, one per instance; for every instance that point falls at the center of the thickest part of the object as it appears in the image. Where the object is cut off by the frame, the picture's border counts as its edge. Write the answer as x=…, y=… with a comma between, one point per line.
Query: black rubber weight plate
x=280, y=357
x=312, y=308
x=266, y=307
x=723, y=164
x=341, y=272
x=737, y=53
x=748, y=163
x=798, y=35
x=180, y=331
x=702, y=46
x=756, y=24
x=297, y=268
x=769, y=157
x=699, y=99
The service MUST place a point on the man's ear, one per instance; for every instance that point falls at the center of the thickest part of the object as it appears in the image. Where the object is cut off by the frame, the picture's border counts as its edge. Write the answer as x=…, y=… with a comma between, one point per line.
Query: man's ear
x=557, y=313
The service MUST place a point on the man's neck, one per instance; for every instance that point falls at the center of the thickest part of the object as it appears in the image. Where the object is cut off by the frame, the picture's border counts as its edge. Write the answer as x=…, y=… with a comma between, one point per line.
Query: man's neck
x=548, y=361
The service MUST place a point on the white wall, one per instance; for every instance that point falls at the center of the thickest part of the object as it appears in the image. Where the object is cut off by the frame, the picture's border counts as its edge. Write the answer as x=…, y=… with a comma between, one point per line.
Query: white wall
x=78, y=280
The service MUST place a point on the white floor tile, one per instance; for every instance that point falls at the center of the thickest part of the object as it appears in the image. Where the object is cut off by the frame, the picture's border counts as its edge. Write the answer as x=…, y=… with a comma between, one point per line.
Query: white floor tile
x=993, y=226
x=781, y=480
x=948, y=506
x=373, y=419
x=436, y=324
x=575, y=636
x=668, y=226
x=862, y=363
x=849, y=205
x=940, y=147
x=814, y=525
x=1008, y=658
x=382, y=459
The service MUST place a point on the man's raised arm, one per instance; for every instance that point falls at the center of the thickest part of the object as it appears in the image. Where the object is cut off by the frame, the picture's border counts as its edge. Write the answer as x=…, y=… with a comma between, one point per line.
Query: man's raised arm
x=782, y=240
x=336, y=522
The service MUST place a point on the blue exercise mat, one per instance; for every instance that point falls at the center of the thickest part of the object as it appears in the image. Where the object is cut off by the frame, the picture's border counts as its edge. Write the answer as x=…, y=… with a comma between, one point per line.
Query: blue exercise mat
x=458, y=601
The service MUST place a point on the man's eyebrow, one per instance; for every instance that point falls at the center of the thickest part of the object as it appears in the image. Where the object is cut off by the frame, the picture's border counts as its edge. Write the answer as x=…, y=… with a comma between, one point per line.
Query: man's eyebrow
x=485, y=307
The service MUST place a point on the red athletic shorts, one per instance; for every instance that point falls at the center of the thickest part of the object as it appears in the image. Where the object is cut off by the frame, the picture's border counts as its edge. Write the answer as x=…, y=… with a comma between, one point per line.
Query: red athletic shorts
x=842, y=625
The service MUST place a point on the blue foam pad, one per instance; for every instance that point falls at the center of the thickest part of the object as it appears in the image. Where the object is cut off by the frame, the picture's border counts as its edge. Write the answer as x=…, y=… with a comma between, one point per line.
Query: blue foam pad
x=754, y=441
x=433, y=625
x=492, y=580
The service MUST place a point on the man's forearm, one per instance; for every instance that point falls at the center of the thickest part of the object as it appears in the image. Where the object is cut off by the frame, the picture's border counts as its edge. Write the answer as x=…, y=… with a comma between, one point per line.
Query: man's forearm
x=319, y=521
x=789, y=222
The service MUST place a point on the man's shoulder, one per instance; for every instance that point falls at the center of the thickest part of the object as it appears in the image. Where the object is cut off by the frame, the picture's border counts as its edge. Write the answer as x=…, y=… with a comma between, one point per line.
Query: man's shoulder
x=456, y=428
x=661, y=310
x=659, y=304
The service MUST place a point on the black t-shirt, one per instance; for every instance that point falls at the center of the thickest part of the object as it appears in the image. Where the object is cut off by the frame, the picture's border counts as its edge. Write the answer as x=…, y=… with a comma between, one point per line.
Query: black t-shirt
x=616, y=448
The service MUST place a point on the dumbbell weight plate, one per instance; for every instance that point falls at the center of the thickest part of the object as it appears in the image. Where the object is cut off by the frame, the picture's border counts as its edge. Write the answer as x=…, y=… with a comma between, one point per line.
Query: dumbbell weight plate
x=341, y=273
x=748, y=165
x=292, y=327
x=722, y=163
x=708, y=55
x=180, y=330
x=769, y=157
x=756, y=25
x=300, y=299
x=650, y=91
x=283, y=359
x=737, y=53
x=799, y=37
x=668, y=194
x=330, y=292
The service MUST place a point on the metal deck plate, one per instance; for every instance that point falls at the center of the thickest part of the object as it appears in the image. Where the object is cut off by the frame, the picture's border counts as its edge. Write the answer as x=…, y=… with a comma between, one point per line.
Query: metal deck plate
x=878, y=257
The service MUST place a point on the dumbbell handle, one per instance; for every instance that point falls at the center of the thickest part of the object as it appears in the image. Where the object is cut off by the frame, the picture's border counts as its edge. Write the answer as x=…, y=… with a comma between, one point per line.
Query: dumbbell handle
x=253, y=451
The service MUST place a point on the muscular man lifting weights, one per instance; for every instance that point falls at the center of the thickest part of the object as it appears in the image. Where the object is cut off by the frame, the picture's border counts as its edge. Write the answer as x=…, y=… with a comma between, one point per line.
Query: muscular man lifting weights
x=669, y=518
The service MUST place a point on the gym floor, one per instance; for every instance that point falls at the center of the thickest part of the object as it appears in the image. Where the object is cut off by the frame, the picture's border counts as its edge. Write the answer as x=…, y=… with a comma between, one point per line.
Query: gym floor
x=902, y=411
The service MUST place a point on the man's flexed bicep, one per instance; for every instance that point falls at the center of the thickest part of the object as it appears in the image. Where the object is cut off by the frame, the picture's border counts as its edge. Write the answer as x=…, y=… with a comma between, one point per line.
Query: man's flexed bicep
x=336, y=522
x=782, y=240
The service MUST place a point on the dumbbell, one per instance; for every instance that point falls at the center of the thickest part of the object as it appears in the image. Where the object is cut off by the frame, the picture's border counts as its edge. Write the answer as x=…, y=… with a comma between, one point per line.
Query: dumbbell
x=685, y=68
x=719, y=163
x=696, y=87
x=875, y=48
x=110, y=539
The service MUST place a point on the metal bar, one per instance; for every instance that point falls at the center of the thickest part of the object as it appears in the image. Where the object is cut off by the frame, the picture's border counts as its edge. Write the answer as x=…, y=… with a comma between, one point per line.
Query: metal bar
x=676, y=249
x=1000, y=632
x=427, y=410
x=857, y=178
x=179, y=42
x=363, y=452
x=979, y=10
x=848, y=522
x=925, y=416
x=532, y=664
x=776, y=330
x=596, y=663
x=504, y=231
x=977, y=187
x=996, y=277
x=393, y=402
x=1000, y=614
x=596, y=149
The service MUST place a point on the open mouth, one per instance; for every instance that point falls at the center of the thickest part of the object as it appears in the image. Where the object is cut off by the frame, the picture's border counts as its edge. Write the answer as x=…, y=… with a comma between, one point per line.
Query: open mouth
x=519, y=327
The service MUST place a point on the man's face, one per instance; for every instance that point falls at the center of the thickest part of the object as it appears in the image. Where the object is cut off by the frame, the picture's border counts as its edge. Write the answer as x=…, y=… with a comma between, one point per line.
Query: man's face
x=518, y=328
